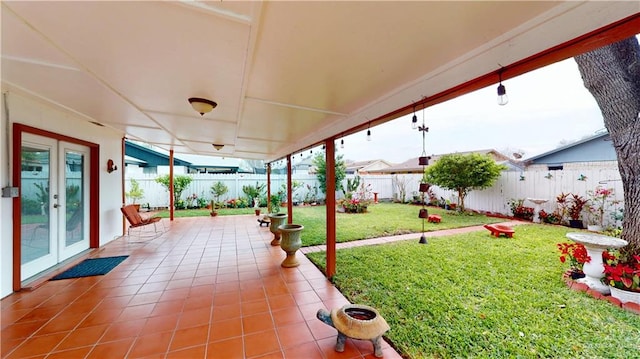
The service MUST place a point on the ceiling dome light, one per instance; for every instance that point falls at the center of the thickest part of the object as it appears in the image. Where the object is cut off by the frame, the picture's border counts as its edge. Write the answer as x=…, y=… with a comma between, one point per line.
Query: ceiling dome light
x=202, y=105
x=217, y=147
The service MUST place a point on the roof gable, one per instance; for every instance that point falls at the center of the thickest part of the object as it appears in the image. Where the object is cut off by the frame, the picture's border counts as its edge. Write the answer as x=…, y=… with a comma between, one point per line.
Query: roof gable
x=595, y=148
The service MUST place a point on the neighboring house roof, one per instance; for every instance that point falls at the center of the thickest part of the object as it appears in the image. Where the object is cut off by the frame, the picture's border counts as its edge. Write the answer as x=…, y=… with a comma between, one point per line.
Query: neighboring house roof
x=595, y=148
x=366, y=166
x=411, y=165
x=134, y=161
x=147, y=157
x=150, y=157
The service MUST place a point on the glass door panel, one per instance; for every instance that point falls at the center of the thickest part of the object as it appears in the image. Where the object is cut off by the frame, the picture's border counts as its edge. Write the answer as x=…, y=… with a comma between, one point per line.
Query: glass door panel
x=74, y=174
x=37, y=216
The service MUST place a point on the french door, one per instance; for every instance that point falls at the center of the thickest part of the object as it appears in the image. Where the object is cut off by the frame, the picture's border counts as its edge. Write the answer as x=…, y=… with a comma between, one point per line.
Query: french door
x=54, y=202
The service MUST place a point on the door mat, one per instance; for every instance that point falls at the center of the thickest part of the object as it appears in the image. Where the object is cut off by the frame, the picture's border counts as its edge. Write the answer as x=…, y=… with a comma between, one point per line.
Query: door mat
x=91, y=267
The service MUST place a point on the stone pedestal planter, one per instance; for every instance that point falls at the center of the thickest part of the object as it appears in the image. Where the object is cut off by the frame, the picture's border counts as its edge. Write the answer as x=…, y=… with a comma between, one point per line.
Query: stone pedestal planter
x=536, y=208
x=290, y=243
x=277, y=219
x=595, y=244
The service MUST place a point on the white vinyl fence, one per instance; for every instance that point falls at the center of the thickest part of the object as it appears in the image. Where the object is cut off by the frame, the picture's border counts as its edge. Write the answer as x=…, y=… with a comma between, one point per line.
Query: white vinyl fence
x=510, y=185
x=539, y=185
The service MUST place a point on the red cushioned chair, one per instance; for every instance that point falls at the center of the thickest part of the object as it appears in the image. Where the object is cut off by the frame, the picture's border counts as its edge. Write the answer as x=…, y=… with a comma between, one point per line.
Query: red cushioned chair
x=136, y=221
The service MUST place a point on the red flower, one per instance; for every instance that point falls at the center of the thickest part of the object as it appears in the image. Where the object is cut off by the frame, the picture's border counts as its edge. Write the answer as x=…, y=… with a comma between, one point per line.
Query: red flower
x=576, y=253
x=622, y=273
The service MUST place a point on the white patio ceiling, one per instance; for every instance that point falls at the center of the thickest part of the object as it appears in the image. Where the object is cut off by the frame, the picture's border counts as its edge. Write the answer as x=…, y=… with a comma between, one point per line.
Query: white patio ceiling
x=285, y=75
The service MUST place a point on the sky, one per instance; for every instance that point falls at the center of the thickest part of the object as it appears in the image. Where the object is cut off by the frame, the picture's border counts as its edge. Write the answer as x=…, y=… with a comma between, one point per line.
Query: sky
x=547, y=108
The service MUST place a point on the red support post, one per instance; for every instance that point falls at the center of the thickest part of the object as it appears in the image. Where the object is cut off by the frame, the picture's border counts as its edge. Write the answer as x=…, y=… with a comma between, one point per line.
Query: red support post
x=171, y=204
x=331, y=207
x=289, y=193
x=268, y=187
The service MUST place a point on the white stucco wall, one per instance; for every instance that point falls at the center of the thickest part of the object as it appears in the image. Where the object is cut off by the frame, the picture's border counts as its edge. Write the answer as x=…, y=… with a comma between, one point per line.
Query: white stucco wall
x=30, y=111
x=5, y=209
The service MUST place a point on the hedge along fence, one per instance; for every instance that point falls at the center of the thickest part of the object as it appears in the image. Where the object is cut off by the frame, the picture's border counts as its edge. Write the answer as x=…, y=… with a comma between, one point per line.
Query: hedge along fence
x=539, y=184
x=527, y=184
x=157, y=196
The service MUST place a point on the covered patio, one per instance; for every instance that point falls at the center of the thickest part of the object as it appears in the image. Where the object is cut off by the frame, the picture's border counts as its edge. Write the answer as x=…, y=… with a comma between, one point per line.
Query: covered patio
x=205, y=288
x=78, y=78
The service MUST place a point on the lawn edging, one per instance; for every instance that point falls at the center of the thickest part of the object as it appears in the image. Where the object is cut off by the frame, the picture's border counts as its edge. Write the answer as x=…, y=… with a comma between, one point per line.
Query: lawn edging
x=581, y=287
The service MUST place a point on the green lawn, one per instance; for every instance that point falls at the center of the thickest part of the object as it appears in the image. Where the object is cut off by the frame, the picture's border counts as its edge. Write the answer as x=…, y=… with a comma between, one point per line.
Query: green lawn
x=205, y=212
x=473, y=295
x=383, y=219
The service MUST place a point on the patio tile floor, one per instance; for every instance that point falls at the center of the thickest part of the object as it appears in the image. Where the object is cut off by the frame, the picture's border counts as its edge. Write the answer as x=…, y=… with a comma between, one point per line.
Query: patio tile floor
x=206, y=288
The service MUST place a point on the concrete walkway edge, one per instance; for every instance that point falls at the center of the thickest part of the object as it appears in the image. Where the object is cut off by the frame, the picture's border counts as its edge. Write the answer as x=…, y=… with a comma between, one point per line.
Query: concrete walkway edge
x=404, y=237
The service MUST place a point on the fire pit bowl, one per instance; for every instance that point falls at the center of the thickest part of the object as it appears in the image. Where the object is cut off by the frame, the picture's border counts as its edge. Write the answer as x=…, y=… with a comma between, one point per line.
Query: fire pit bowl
x=356, y=321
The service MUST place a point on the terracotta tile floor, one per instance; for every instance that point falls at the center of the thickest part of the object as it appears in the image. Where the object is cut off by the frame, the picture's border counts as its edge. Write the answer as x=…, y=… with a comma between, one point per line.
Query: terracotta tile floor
x=207, y=287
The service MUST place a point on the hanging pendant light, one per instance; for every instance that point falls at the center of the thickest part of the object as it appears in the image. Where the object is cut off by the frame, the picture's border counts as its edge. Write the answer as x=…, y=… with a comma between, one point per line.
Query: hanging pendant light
x=369, y=132
x=342, y=143
x=414, y=119
x=503, y=99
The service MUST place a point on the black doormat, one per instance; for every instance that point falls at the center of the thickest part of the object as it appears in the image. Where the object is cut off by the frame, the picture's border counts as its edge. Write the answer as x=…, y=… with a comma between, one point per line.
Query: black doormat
x=91, y=267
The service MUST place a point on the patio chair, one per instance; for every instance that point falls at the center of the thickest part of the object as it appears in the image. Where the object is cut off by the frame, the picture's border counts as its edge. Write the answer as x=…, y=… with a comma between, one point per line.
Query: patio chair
x=138, y=222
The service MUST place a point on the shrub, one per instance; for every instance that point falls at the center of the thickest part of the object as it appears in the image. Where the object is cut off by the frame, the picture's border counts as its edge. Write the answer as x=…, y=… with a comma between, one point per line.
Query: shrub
x=519, y=210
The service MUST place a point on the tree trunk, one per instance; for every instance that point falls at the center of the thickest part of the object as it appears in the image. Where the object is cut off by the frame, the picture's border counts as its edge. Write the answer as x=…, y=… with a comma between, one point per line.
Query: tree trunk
x=612, y=75
x=461, y=195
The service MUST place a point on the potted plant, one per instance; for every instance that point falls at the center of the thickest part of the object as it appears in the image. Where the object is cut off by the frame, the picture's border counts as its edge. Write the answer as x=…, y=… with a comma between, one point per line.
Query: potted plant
x=519, y=210
x=563, y=207
x=253, y=195
x=576, y=205
x=551, y=218
x=218, y=189
x=576, y=255
x=622, y=274
x=256, y=205
x=212, y=206
x=275, y=201
x=135, y=193
x=599, y=200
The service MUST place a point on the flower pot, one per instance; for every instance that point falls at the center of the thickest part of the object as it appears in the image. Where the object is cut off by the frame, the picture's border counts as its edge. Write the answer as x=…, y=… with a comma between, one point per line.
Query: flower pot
x=575, y=274
x=576, y=223
x=594, y=228
x=257, y=212
x=424, y=187
x=625, y=296
x=277, y=219
x=423, y=213
x=290, y=243
x=213, y=214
